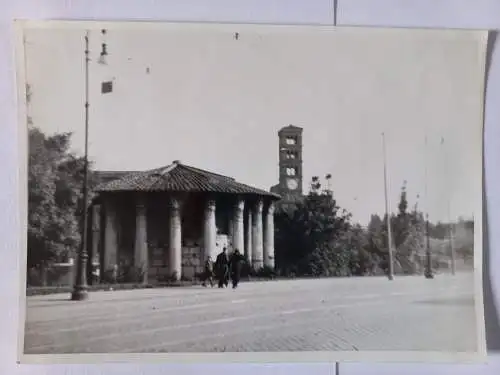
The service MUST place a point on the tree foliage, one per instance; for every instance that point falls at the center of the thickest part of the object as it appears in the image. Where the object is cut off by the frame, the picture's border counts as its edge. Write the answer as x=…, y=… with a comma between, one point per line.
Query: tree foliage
x=408, y=230
x=318, y=238
x=55, y=180
x=310, y=239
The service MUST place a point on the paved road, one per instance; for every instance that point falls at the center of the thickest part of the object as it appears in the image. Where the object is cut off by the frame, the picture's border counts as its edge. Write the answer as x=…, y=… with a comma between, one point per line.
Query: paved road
x=409, y=313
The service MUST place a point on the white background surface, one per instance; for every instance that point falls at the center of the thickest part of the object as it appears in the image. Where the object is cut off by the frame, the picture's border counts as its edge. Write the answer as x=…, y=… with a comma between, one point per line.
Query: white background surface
x=422, y=13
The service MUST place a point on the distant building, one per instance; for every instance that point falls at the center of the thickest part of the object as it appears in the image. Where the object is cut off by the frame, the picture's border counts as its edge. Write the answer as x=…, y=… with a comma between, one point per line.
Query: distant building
x=290, y=186
x=167, y=221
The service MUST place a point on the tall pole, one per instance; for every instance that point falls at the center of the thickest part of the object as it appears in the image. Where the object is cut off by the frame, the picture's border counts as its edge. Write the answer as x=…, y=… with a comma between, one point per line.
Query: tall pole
x=388, y=218
x=450, y=238
x=448, y=208
x=335, y=7
x=428, y=262
x=80, y=290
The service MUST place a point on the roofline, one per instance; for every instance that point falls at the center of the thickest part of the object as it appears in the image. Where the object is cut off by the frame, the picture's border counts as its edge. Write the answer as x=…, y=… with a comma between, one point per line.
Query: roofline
x=290, y=127
x=161, y=169
x=122, y=174
x=113, y=173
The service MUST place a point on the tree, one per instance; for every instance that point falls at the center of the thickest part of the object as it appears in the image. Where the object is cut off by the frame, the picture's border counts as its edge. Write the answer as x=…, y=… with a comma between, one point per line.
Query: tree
x=408, y=236
x=317, y=238
x=55, y=205
x=412, y=243
x=401, y=228
x=362, y=261
x=463, y=238
x=376, y=244
x=311, y=239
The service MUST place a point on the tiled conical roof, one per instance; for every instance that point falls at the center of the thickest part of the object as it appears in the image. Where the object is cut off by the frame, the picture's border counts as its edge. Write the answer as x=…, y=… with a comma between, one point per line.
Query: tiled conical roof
x=179, y=177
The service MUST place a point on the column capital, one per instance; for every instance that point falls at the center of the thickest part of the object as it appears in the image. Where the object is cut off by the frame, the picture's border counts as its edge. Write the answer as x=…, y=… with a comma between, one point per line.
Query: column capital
x=210, y=204
x=239, y=205
x=174, y=203
x=259, y=205
x=270, y=208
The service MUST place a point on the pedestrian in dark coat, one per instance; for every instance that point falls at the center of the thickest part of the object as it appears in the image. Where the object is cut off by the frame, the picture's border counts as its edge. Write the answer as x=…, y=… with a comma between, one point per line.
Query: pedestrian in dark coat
x=235, y=264
x=222, y=268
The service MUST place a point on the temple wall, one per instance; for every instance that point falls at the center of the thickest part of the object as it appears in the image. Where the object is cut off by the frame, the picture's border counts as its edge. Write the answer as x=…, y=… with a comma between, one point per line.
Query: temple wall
x=125, y=212
x=158, y=238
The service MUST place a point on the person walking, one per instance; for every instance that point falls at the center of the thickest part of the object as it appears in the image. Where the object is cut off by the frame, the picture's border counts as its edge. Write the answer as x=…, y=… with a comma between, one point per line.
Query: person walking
x=222, y=268
x=235, y=264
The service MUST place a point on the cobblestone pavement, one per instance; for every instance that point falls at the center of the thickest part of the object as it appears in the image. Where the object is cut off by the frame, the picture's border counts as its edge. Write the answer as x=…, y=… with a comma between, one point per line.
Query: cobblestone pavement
x=409, y=313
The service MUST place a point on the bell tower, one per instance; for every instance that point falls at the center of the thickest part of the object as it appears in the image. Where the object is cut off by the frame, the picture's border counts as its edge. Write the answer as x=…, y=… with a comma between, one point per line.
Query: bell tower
x=290, y=163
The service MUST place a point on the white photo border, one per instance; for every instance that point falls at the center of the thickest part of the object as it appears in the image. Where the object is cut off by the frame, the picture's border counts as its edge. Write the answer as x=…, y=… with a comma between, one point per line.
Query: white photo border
x=242, y=357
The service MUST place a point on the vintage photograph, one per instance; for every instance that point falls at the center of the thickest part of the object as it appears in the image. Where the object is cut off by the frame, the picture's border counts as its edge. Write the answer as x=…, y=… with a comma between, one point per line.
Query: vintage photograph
x=237, y=190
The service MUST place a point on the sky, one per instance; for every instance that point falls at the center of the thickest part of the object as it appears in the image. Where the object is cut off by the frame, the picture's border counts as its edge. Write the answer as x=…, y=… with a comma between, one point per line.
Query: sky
x=199, y=95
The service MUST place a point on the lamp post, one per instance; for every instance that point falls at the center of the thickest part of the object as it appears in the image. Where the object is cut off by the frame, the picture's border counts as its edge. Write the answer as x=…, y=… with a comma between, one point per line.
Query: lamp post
x=452, y=244
x=388, y=218
x=80, y=289
x=428, y=261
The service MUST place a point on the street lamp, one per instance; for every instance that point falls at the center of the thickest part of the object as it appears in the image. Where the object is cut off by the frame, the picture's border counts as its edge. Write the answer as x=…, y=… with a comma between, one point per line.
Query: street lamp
x=104, y=51
x=388, y=218
x=428, y=261
x=80, y=289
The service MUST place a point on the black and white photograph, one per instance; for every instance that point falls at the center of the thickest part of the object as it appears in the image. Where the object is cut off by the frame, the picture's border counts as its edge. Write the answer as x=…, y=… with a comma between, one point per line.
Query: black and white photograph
x=250, y=192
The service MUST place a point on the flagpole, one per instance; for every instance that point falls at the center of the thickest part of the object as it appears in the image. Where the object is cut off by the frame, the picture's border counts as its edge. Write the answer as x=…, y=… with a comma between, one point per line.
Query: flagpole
x=80, y=290
x=388, y=218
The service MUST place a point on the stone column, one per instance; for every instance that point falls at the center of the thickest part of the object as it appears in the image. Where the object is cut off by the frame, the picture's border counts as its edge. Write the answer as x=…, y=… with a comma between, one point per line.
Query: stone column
x=95, y=237
x=257, y=241
x=248, y=245
x=110, y=236
x=175, y=238
x=230, y=234
x=209, y=230
x=95, y=231
x=269, y=236
x=238, y=227
x=141, y=239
